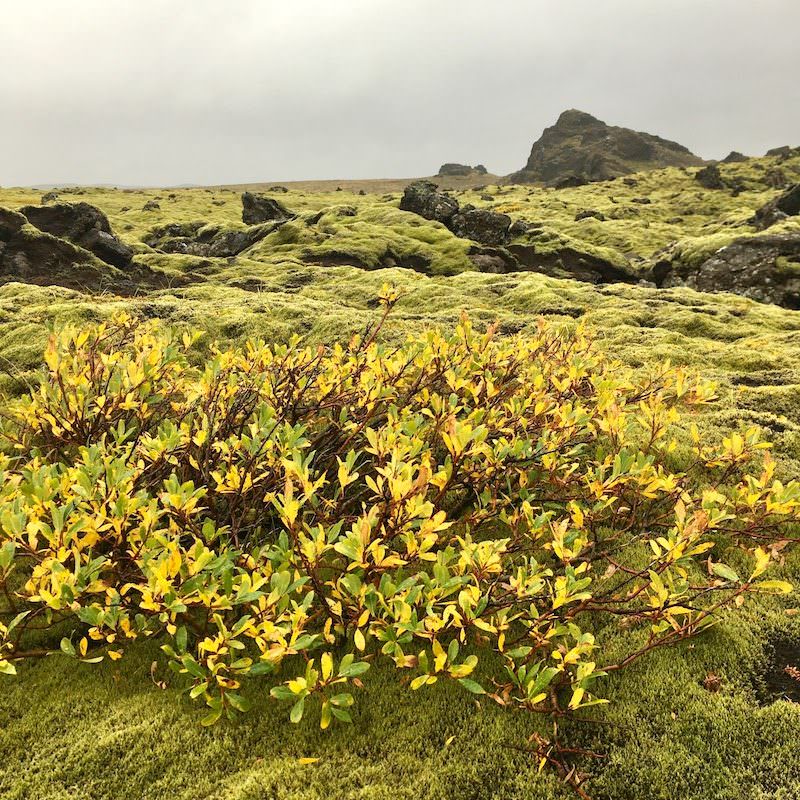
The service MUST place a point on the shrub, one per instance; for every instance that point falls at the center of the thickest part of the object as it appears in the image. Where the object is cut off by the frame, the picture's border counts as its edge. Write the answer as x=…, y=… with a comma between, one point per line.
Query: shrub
x=302, y=512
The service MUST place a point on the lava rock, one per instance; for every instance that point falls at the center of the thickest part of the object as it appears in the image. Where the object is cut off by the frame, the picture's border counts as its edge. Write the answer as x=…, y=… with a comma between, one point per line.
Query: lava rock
x=765, y=268
x=83, y=225
x=425, y=199
x=460, y=170
x=258, y=208
x=589, y=213
x=784, y=151
x=481, y=225
x=709, y=177
x=734, y=157
x=784, y=205
x=581, y=145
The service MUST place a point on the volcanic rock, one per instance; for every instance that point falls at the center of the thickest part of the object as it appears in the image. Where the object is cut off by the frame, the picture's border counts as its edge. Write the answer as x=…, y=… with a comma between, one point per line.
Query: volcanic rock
x=425, y=199
x=257, y=208
x=765, y=268
x=581, y=146
x=83, y=225
x=784, y=205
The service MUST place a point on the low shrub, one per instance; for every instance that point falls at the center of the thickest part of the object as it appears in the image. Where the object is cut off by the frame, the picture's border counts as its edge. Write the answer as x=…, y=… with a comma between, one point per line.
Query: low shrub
x=301, y=512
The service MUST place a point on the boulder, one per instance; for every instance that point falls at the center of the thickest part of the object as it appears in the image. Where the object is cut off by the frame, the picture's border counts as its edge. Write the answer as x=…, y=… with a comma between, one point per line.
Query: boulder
x=589, y=213
x=567, y=262
x=32, y=256
x=765, y=268
x=734, y=157
x=495, y=260
x=776, y=178
x=709, y=177
x=425, y=199
x=83, y=225
x=151, y=205
x=784, y=151
x=481, y=225
x=784, y=205
x=201, y=239
x=258, y=208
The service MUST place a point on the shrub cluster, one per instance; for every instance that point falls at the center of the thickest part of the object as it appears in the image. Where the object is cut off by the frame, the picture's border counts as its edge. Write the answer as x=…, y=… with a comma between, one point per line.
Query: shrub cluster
x=301, y=512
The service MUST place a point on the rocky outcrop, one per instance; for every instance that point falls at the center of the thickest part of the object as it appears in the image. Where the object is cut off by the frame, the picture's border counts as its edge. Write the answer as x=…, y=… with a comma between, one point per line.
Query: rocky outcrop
x=581, y=147
x=30, y=255
x=501, y=245
x=83, y=225
x=783, y=206
x=710, y=177
x=209, y=241
x=734, y=157
x=784, y=151
x=481, y=225
x=425, y=199
x=765, y=268
x=459, y=170
x=258, y=208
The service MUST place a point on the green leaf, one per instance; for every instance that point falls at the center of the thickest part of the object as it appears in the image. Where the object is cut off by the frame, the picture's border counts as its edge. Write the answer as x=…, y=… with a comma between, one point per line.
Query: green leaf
x=7, y=668
x=211, y=718
x=725, y=572
x=296, y=713
x=353, y=670
x=67, y=647
x=180, y=638
x=781, y=587
x=198, y=690
x=472, y=686
x=238, y=702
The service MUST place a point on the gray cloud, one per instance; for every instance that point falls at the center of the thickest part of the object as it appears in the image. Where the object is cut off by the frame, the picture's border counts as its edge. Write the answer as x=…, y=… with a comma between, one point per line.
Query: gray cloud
x=194, y=91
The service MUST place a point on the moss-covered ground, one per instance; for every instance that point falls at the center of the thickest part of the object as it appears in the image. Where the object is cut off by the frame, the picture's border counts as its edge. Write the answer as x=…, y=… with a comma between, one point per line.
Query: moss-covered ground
x=69, y=730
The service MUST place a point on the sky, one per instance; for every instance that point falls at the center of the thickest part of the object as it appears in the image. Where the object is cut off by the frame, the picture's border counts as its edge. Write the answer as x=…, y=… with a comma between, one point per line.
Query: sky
x=169, y=92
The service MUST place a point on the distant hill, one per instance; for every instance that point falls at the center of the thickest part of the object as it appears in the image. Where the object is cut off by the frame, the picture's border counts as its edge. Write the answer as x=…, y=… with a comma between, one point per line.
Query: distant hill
x=581, y=148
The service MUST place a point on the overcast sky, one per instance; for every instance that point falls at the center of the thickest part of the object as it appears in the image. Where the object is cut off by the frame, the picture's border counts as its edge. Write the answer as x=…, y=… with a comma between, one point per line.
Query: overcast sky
x=194, y=91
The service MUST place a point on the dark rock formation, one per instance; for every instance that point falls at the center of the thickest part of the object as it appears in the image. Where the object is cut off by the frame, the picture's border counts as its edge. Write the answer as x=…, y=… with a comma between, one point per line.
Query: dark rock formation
x=569, y=182
x=425, y=199
x=151, y=205
x=580, y=146
x=784, y=151
x=765, y=268
x=257, y=208
x=492, y=231
x=481, y=225
x=209, y=241
x=588, y=213
x=775, y=178
x=31, y=255
x=493, y=259
x=566, y=262
x=83, y=225
x=709, y=177
x=452, y=169
x=388, y=260
x=784, y=205
x=734, y=157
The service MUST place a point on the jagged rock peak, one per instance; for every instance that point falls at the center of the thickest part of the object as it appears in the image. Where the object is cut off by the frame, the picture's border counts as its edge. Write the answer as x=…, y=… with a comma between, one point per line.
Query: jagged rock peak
x=583, y=148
